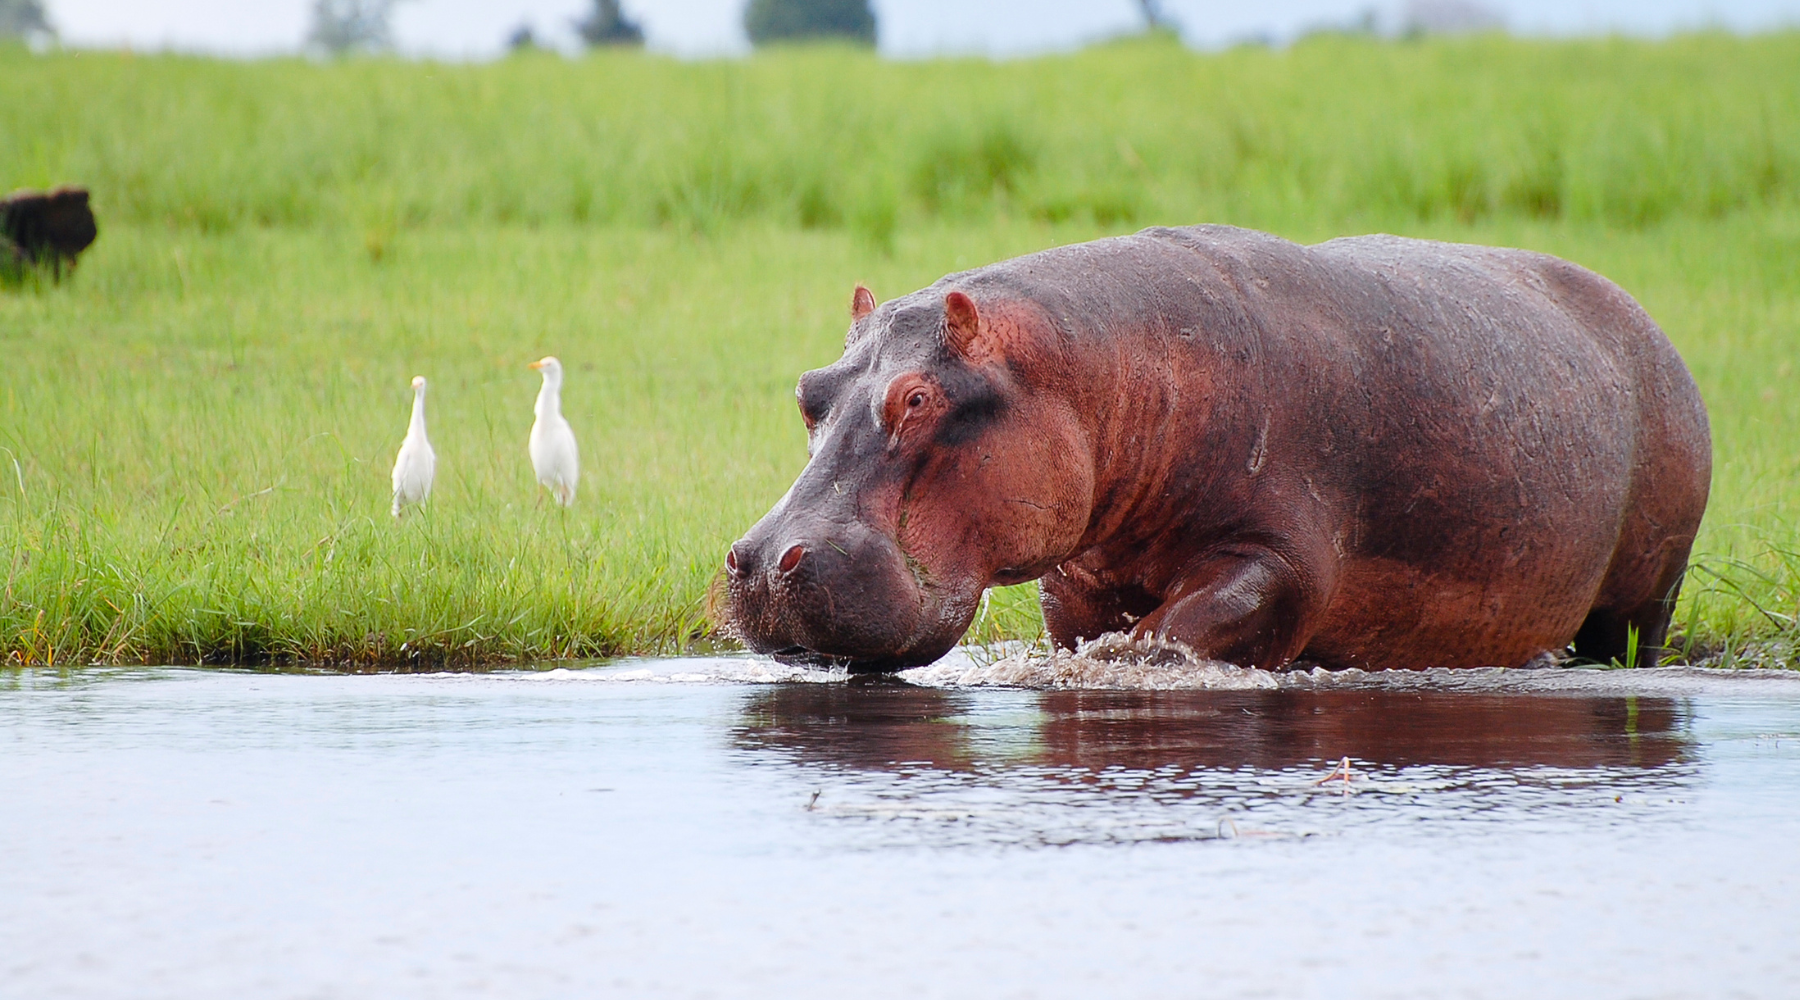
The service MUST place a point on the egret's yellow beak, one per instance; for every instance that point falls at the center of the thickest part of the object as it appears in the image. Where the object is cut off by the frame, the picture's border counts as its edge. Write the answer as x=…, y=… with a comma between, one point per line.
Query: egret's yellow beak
x=535, y=364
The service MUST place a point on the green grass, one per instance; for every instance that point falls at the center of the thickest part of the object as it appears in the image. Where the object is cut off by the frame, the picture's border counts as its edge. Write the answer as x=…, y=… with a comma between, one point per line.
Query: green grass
x=195, y=431
x=1340, y=132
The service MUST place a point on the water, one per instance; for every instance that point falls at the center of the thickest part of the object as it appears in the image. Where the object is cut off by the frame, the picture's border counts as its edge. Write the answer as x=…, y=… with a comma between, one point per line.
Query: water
x=730, y=828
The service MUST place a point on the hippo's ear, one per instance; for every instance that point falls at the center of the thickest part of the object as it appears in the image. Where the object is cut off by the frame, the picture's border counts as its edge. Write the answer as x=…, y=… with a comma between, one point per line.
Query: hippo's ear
x=862, y=303
x=962, y=325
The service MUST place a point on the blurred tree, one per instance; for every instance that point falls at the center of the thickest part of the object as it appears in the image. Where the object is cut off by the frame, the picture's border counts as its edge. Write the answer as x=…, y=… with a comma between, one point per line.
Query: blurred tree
x=1154, y=18
x=1448, y=17
x=522, y=39
x=340, y=27
x=606, y=24
x=24, y=19
x=794, y=20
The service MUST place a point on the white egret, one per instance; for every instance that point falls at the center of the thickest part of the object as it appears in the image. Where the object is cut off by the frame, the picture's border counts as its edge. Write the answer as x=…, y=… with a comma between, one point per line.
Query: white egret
x=416, y=464
x=553, y=453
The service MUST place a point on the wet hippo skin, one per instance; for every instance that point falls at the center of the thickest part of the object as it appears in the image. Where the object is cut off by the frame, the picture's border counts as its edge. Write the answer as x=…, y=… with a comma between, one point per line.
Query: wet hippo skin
x=1372, y=452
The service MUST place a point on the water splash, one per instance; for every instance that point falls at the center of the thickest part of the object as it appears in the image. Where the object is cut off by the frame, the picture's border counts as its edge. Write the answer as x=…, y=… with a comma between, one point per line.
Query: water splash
x=1114, y=662
x=1118, y=662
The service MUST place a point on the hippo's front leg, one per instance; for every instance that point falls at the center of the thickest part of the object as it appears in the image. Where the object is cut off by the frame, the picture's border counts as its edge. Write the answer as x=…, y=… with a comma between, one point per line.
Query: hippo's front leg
x=1078, y=608
x=1245, y=604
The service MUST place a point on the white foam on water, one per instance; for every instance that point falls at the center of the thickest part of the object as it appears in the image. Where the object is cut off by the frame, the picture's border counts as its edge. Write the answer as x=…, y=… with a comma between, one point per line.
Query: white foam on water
x=1116, y=662
x=1119, y=663
x=1063, y=671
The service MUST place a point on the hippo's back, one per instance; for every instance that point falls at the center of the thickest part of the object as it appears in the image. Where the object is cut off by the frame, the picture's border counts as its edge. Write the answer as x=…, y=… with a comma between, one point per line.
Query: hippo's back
x=1532, y=355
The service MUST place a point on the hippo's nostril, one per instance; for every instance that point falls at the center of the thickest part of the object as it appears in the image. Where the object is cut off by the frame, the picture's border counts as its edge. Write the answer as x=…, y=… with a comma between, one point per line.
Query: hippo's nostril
x=791, y=558
x=737, y=565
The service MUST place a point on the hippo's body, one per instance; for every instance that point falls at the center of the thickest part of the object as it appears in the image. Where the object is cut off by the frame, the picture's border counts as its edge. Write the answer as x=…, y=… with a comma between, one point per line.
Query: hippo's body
x=1373, y=452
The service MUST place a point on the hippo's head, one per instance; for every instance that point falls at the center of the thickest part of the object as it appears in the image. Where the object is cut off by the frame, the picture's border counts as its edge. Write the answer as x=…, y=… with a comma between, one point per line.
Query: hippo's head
x=943, y=462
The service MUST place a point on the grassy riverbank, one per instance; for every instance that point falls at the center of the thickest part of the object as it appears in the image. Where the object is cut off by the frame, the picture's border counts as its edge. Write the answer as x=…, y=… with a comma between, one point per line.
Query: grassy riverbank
x=195, y=432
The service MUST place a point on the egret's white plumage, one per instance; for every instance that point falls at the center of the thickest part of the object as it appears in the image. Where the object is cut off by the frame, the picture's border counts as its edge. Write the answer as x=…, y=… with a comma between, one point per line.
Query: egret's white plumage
x=416, y=464
x=553, y=453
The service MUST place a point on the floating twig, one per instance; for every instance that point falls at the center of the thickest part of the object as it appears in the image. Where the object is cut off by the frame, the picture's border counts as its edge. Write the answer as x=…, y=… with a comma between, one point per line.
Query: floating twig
x=1340, y=773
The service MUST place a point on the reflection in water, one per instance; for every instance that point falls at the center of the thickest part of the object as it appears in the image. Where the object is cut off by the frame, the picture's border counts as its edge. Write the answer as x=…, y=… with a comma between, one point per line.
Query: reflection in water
x=884, y=726
x=1068, y=767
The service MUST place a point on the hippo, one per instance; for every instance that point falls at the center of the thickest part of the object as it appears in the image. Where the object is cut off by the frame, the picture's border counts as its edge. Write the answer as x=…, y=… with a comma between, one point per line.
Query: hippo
x=1372, y=452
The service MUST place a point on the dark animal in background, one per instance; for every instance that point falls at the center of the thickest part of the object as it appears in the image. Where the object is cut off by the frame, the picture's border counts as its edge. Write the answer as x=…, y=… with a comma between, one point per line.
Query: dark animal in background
x=1373, y=452
x=46, y=228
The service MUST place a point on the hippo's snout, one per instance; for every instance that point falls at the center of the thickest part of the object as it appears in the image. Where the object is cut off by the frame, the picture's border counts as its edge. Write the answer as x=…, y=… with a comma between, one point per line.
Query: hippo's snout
x=824, y=591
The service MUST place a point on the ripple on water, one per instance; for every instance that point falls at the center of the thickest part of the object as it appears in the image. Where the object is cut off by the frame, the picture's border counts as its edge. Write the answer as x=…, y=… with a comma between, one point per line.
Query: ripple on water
x=1110, y=824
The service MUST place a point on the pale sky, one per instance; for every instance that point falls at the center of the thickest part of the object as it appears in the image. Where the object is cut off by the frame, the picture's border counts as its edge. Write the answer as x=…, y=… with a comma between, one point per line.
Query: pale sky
x=476, y=28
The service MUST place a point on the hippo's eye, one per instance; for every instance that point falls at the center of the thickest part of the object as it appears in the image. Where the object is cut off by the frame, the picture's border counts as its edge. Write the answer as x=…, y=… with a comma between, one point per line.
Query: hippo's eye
x=909, y=399
x=815, y=393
